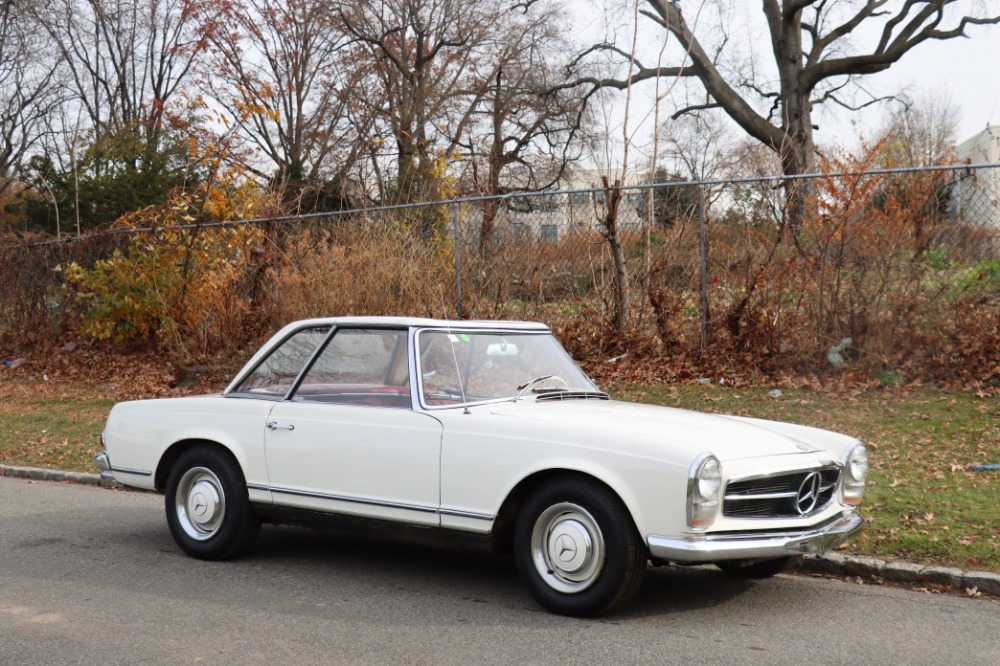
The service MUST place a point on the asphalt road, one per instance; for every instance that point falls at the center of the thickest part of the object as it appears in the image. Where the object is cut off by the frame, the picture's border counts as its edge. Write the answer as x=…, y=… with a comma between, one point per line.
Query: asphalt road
x=91, y=576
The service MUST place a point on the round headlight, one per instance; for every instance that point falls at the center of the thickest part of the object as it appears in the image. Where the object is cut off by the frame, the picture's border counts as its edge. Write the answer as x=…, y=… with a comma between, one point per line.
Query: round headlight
x=709, y=478
x=858, y=463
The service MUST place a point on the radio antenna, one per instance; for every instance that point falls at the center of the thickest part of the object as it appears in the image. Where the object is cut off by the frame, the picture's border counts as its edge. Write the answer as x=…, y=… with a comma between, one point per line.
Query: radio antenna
x=452, y=339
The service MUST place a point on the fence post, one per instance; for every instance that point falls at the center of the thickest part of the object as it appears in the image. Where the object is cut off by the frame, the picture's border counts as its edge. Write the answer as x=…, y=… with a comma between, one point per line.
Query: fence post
x=275, y=260
x=458, y=261
x=703, y=249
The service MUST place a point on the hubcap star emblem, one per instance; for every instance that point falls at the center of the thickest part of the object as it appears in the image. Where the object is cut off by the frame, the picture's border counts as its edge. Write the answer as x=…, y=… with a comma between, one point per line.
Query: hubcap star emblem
x=566, y=548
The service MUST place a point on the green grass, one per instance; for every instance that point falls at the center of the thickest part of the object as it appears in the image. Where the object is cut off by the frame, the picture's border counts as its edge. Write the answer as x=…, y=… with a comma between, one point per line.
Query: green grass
x=923, y=504
x=59, y=431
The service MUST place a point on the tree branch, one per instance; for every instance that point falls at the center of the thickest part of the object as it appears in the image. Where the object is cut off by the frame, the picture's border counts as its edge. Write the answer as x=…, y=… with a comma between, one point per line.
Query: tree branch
x=891, y=48
x=695, y=107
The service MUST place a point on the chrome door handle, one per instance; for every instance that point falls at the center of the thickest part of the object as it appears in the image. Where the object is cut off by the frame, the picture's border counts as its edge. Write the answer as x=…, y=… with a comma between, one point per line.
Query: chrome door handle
x=274, y=425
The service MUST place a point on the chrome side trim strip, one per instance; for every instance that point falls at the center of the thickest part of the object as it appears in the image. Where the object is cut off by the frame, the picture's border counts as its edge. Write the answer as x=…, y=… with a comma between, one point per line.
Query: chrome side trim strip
x=373, y=502
x=755, y=545
x=466, y=514
x=126, y=470
x=255, y=486
x=354, y=500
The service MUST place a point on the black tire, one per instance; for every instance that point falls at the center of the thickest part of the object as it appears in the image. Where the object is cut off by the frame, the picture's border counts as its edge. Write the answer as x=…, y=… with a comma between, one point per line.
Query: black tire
x=564, y=514
x=208, y=509
x=754, y=569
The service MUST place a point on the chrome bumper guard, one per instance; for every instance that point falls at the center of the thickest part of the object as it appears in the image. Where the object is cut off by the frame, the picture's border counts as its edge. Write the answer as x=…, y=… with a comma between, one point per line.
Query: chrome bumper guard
x=749, y=546
x=103, y=463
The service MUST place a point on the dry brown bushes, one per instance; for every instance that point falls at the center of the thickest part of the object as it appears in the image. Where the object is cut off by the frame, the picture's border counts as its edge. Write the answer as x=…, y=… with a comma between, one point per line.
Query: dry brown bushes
x=379, y=267
x=876, y=260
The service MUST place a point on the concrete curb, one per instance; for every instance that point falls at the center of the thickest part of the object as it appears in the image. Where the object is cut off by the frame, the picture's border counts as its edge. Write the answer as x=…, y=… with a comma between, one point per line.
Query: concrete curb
x=39, y=474
x=833, y=563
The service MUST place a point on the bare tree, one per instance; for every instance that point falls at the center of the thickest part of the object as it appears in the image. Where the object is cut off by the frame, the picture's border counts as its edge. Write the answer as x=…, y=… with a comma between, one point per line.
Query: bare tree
x=813, y=59
x=283, y=73
x=119, y=139
x=430, y=68
x=28, y=88
x=922, y=132
x=697, y=145
x=125, y=60
x=522, y=134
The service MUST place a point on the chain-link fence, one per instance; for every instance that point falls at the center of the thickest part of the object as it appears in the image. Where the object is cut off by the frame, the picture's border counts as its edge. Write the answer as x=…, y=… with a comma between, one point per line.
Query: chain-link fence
x=722, y=240
x=756, y=263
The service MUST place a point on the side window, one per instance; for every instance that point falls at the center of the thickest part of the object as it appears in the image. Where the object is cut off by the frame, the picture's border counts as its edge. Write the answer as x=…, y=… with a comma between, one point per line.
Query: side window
x=275, y=374
x=360, y=367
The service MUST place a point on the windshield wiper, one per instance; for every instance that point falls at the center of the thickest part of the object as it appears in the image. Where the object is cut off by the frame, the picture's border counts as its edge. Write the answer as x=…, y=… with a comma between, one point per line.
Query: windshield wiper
x=533, y=381
x=560, y=385
x=528, y=384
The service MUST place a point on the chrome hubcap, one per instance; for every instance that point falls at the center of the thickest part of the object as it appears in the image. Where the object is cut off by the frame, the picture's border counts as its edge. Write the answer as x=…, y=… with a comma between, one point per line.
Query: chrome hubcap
x=200, y=503
x=567, y=548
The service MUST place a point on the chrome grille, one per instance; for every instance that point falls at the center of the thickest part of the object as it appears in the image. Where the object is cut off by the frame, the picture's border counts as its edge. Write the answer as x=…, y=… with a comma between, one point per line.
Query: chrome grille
x=787, y=495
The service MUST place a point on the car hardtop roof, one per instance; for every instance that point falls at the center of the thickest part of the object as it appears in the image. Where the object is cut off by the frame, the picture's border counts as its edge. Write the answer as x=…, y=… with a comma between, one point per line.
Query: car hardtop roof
x=423, y=322
x=395, y=322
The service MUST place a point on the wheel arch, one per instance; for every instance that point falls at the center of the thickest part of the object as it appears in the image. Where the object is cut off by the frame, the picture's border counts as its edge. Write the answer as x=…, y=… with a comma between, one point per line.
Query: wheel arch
x=177, y=449
x=503, y=526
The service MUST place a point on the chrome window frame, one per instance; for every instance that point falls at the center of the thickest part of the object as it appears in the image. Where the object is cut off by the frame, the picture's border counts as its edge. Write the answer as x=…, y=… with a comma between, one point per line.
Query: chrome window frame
x=415, y=355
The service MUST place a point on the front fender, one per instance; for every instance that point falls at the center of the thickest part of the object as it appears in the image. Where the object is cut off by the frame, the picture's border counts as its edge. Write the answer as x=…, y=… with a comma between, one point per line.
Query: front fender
x=654, y=493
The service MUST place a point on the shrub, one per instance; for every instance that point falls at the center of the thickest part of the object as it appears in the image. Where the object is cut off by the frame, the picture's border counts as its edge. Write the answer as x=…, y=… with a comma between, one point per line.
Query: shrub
x=379, y=268
x=183, y=289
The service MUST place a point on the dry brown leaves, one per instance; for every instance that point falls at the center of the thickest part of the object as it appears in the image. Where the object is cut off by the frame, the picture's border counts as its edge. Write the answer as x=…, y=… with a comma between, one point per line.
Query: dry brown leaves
x=58, y=371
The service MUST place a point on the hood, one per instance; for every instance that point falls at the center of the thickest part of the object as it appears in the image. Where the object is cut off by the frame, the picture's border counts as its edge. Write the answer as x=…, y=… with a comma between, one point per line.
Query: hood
x=727, y=437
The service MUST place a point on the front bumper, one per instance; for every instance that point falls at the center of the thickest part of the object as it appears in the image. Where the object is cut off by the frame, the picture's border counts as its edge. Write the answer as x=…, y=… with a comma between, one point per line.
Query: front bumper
x=756, y=545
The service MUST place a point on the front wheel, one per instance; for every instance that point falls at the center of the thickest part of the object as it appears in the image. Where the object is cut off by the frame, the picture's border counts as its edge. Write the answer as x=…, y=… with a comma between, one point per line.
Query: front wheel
x=208, y=510
x=576, y=548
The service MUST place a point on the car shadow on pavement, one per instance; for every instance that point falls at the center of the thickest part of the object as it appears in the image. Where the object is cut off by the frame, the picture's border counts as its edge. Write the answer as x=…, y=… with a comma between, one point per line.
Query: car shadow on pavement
x=481, y=577
x=678, y=589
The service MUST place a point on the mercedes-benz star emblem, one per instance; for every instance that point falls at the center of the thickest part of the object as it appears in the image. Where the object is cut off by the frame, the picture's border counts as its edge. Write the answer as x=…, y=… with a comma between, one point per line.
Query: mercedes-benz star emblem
x=808, y=495
x=565, y=547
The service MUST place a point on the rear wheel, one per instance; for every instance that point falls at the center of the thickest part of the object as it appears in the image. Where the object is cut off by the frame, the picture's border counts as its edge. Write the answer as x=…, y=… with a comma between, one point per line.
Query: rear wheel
x=208, y=509
x=576, y=548
x=754, y=568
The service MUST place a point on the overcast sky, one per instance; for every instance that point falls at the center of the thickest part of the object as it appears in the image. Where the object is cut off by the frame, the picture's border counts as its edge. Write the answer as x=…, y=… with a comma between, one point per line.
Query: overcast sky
x=967, y=70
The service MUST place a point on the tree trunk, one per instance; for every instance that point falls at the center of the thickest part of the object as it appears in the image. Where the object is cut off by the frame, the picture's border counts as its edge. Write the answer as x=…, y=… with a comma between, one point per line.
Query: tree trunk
x=490, y=208
x=496, y=164
x=621, y=314
x=797, y=149
x=609, y=224
x=797, y=158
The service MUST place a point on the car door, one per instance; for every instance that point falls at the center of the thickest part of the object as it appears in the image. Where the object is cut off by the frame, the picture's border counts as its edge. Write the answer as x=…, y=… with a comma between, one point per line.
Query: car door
x=348, y=441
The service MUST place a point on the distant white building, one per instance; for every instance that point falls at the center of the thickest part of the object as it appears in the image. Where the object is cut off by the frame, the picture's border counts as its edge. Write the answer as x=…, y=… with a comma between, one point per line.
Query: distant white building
x=976, y=193
x=983, y=148
x=552, y=216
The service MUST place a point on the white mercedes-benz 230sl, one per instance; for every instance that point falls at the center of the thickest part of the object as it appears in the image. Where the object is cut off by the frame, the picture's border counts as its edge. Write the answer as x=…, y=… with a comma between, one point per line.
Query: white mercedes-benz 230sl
x=483, y=432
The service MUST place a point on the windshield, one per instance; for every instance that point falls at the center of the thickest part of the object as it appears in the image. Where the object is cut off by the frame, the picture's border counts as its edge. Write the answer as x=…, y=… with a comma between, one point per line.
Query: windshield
x=482, y=366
